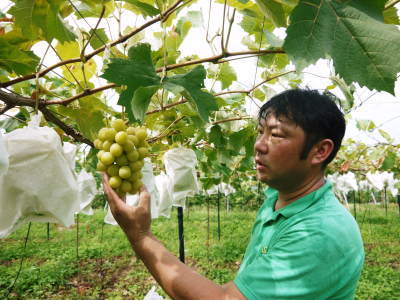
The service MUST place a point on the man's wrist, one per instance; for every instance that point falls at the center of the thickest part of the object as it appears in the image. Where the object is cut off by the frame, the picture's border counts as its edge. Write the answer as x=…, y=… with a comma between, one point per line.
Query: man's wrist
x=137, y=240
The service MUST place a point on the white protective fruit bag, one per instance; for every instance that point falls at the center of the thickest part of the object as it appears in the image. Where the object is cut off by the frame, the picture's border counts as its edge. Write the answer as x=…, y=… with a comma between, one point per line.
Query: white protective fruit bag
x=87, y=190
x=70, y=154
x=3, y=156
x=164, y=184
x=39, y=184
x=180, y=165
x=132, y=200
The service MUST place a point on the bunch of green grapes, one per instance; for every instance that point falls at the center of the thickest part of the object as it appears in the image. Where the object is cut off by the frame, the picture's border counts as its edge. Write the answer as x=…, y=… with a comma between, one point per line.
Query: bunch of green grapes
x=122, y=150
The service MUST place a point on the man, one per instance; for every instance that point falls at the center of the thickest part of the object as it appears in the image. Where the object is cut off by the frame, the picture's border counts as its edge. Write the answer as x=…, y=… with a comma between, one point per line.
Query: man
x=304, y=243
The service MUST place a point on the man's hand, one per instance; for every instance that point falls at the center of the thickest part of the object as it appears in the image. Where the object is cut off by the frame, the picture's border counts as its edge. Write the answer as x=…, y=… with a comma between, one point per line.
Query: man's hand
x=134, y=221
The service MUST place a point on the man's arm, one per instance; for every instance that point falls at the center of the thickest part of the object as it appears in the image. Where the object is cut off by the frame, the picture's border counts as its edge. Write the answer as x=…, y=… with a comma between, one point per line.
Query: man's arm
x=178, y=280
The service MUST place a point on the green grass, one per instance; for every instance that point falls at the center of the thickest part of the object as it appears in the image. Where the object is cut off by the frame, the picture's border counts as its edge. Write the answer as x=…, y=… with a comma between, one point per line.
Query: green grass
x=106, y=268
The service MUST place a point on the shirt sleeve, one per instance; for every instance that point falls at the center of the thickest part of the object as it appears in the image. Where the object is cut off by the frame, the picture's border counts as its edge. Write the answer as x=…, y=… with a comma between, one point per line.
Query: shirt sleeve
x=304, y=263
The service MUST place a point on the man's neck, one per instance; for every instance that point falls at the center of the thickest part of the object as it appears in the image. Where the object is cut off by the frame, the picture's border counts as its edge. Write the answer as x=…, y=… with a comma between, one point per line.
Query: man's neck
x=307, y=187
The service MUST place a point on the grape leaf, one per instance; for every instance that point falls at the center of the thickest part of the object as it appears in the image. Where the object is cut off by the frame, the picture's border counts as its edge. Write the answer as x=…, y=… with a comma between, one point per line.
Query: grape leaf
x=88, y=115
x=274, y=11
x=190, y=86
x=99, y=38
x=390, y=16
x=141, y=100
x=385, y=135
x=352, y=33
x=93, y=8
x=15, y=60
x=365, y=125
x=389, y=161
x=55, y=27
x=226, y=75
x=237, y=139
x=23, y=12
x=135, y=72
x=216, y=136
x=144, y=8
x=41, y=19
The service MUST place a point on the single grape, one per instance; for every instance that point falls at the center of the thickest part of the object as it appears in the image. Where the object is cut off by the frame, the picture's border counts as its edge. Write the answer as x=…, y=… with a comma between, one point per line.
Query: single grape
x=121, y=137
x=128, y=146
x=98, y=144
x=107, y=158
x=113, y=170
x=124, y=172
x=143, y=152
x=111, y=132
x=135, y=176
x=136, y=166
x=103, y=134
x=134, y=140
x=126, y=186
x=133, y=190
x=118, y=125
x=115, y=182
x=141, y=134
x=100, y=153
x=116, y=150
x=137, y=184
x=133, y=156
x=122, y=160
x=101, y=167
x=106, y=146
x=131, y=130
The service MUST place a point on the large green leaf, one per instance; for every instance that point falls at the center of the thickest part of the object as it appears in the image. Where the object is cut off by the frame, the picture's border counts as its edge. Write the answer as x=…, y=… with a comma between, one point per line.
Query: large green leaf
x=274, y=11
x=135, y=72
x=226, y=75
x=41, y=19
x=190, y=86
x=15, y=60
x=144, y=8
x=23, y=11
x=87, y=114
x=364, y=49
x=389, y=161
x=390, y=16
x=99, y=38
x=141, y=100
x=365, y=125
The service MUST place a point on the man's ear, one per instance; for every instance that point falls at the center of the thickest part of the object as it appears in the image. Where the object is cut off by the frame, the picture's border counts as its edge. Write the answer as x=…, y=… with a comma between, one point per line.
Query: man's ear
x=321, y=151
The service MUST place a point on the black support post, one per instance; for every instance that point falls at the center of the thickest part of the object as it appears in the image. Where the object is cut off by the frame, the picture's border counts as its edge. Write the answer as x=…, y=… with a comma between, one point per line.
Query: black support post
x=181, y=235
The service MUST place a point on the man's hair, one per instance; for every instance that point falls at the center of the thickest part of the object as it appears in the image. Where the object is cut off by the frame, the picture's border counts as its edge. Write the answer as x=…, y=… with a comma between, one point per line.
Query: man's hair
x=316, y=113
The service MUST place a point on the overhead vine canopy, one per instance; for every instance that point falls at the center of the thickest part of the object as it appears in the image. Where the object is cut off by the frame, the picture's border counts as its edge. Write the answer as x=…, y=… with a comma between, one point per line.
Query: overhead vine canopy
x=158, y=86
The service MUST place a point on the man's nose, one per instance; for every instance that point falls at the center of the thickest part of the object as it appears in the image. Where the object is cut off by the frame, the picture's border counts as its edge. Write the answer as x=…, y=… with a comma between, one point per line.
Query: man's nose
x=260, y=145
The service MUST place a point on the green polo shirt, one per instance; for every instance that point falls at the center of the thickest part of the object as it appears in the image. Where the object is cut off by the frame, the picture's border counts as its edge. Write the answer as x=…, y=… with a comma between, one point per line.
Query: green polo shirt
x=309, y=249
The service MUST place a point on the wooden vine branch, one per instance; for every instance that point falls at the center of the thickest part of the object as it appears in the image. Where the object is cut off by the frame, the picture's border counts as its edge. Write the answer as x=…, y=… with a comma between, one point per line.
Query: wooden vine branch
x=7, y=19
x=5, y=108
x=88, y=56
x=76, y=135
x=216, y=58
x=88, y=92
x=231, y=119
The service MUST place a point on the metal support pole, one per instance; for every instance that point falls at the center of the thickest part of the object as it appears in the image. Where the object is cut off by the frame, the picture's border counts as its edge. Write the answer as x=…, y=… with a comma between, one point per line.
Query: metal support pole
x=181, y=235
x=218, y=215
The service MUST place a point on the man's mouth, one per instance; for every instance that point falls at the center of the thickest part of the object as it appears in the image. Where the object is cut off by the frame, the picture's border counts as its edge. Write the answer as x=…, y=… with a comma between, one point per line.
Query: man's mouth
x=259, y=163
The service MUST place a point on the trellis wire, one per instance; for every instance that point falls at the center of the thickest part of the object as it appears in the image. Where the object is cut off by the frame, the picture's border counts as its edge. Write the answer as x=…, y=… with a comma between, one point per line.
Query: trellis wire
x=22, y=261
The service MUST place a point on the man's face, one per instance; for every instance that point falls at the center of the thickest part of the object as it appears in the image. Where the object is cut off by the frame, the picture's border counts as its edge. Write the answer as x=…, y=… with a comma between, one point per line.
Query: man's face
x=277, y=152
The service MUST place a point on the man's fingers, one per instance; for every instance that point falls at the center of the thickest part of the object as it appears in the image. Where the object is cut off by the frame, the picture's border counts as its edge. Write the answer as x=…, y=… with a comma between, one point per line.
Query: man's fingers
x=112, y=197
x=144, y=198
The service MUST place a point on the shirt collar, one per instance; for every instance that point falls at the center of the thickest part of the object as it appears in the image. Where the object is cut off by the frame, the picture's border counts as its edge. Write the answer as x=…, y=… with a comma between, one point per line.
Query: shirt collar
x=295, y=207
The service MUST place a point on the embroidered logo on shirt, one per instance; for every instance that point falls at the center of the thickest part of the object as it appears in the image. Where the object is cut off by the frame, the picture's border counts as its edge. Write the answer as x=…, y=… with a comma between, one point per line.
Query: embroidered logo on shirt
x=264, y=250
